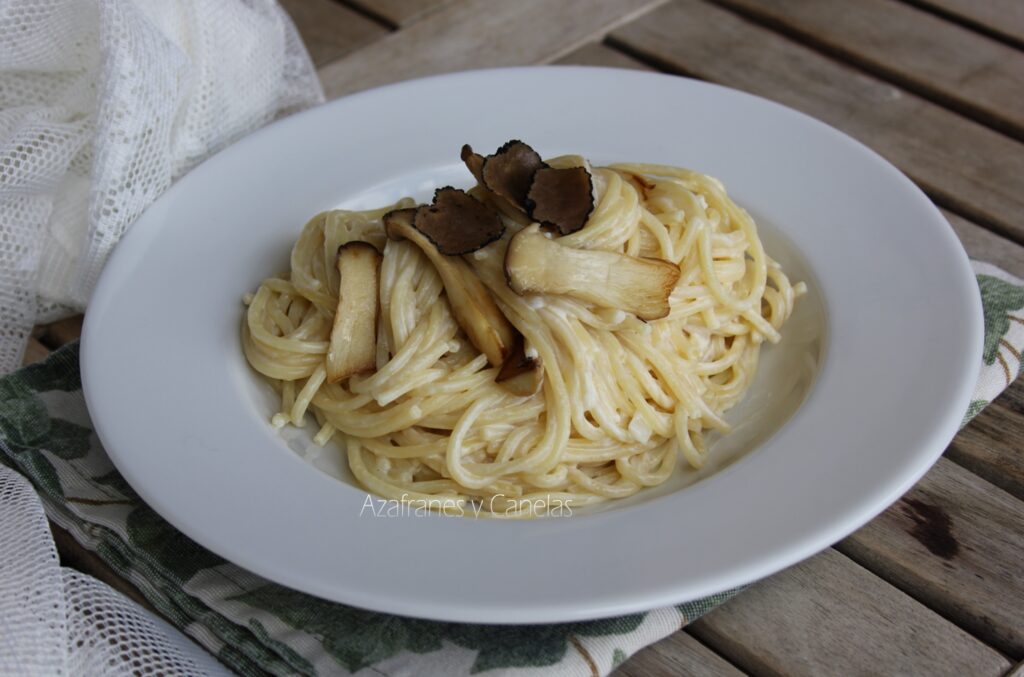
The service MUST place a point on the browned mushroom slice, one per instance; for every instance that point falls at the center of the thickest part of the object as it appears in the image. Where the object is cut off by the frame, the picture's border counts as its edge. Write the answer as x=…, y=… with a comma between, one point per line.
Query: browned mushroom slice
x=535, y=263
x=475, y=163
x=457, y=223
x=353, y=346
x=561, y=198
x=471, y=303
x=521, y=375
x=509, y=172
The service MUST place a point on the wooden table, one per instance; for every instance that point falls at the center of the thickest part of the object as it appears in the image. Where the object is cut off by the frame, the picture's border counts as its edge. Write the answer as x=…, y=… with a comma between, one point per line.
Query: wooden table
x=935, y=584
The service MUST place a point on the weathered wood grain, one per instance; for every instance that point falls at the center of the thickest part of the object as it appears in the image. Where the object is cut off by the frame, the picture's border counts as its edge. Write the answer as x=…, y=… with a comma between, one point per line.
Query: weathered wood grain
x=965, y=166
x=479, y=34
x=828, y=615
x=330, y=30
x=35, y=351
x=984, y=245
x=56, y=334
x=978, y=76
x=399, y=12
x=953, y=542
x=678, y=654
x=991, y=445
x=1004, y=18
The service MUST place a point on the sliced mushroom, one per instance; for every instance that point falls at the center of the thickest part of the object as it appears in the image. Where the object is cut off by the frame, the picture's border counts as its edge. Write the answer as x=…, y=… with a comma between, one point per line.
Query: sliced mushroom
x=535, y=263
x=520, y=374
x=561, y=198
x=471, y=303
x=353, y=346
x=475, y=163
x=457, y=223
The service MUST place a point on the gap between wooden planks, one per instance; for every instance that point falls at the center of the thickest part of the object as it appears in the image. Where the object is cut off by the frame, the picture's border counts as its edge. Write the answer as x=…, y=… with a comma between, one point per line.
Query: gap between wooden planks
x=1003, y=19
x=398, y=13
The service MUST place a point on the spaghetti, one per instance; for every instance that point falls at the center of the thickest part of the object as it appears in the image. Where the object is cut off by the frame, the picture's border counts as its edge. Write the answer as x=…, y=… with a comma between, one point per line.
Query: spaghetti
x=621, y=400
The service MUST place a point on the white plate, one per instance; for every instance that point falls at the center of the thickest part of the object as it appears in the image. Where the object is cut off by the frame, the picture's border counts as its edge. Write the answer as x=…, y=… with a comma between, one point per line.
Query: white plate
x=894, y=321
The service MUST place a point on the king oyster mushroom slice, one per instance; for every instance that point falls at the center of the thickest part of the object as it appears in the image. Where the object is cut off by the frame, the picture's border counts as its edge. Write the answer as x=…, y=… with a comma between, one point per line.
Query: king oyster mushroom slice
x=535, y=263
x=472, y=305
x=353, y=346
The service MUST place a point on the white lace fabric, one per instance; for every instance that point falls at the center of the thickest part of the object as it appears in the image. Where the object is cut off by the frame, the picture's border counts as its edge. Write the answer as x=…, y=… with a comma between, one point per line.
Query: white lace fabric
x=103, y=104
x=56, y=621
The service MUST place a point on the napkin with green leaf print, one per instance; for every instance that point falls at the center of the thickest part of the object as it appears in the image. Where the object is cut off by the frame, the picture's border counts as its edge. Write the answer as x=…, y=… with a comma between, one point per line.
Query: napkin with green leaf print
x=255, y=626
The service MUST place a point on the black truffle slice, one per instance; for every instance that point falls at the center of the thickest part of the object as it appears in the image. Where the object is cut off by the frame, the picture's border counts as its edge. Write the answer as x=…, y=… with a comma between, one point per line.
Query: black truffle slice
x=510, y=170
x=561, y=198
x=457, y=223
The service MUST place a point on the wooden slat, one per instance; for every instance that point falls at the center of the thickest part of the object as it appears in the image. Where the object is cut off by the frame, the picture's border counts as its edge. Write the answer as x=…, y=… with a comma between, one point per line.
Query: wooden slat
x=990, y=445
x=956, y=66
x=34, y=352
x=678, y=654
x=828, y=615
x=1004, y=18
x=953, y=542
x=330, y=30
x=58, y=333
x=399, y=12
x=971, y=169
x=1017, y=670
x=597, y=54
x=479, y=34
x=984, y=245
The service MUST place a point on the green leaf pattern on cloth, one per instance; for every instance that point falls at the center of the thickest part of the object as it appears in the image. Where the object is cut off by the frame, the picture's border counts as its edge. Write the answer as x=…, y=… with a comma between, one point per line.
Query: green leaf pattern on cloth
x=999, y=298
x=168, y=547
x=257, y=627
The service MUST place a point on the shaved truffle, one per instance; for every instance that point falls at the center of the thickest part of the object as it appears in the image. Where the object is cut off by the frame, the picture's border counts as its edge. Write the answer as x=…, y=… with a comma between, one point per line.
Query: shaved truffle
x=511, y=209
x=457, y=223
x=561, y=198
x=509, y=172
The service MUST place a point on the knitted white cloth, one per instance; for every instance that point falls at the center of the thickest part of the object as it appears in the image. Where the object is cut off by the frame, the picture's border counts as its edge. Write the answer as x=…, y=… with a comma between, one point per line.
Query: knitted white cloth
x=103, y=104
